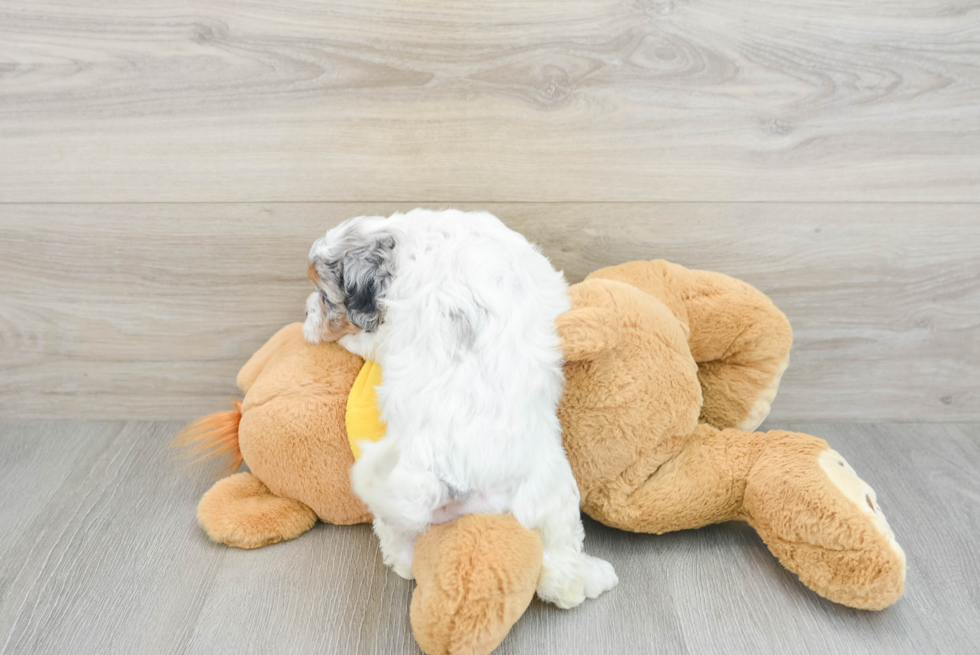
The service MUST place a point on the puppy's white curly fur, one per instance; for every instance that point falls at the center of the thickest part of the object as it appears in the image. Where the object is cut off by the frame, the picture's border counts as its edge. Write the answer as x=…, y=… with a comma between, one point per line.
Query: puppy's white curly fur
x=472, y=381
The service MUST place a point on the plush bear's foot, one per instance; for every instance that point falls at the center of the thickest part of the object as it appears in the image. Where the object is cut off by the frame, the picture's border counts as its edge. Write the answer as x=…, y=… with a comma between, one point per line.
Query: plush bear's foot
x=240, y=511
x=885, y=588
x=475, y=578
x=823, y=522
x=760, y=408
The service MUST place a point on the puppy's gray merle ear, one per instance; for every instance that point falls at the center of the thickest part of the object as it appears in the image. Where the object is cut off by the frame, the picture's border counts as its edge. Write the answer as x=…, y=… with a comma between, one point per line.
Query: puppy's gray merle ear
x=368, y=269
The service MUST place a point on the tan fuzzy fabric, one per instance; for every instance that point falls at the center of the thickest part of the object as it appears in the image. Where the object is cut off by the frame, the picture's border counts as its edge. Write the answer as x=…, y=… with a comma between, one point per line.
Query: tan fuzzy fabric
x=292, y=436
x=695, y=346
x=292, y=433
x=739, y=339
x=241, y=511
x=475, y=578
x=840, y=547
x=257, y=362
x=664, y=365
x=629, y=408
x=587, y=331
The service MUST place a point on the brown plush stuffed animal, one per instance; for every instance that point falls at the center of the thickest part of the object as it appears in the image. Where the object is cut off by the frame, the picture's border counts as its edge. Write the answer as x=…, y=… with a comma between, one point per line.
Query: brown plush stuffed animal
x=668, y=372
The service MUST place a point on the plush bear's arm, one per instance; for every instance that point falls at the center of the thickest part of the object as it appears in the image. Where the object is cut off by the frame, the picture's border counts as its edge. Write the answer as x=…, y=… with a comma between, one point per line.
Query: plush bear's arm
x=248, y=374
x=587, y=332
x=738, y=337
x=741, y=342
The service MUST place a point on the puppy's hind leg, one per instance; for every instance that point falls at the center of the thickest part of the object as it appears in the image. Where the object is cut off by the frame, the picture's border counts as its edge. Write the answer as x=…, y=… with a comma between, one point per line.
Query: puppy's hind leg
x=402, y=497
x=551, y=504
x=397, y=548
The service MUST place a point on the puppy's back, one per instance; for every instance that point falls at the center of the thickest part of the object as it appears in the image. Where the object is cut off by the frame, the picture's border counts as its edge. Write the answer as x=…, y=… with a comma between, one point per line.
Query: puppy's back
x=471, y=358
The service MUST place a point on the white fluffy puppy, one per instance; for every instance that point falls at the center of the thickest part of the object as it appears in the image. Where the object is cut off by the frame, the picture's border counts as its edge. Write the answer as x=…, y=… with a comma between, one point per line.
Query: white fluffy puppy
x=460, y=312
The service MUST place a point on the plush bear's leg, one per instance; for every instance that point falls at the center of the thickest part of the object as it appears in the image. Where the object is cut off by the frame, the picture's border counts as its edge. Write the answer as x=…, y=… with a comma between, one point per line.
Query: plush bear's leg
x=475, y=578
x=741, y=343
x=240, y=511
x=738, y=337
x=808, y=505
x=691, y=488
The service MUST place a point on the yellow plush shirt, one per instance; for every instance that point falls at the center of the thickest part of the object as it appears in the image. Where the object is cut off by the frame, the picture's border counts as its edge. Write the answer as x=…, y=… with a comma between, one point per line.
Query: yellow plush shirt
x=363, y=415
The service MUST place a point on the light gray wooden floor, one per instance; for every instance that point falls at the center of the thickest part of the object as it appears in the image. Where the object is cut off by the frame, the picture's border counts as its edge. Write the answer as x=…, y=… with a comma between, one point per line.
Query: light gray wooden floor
x=100, y=553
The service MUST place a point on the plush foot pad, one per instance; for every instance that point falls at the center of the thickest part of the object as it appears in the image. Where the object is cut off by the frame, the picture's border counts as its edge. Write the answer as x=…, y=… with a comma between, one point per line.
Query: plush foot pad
x=759, y=411
x=884, y=557
x=240, y=511
x=475, y=578
x=823, y=522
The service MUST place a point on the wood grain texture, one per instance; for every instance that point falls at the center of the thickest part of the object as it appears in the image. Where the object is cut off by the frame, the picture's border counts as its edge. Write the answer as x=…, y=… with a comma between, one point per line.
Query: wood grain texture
x=612, y=100
x=148, y=311
x=100, y=553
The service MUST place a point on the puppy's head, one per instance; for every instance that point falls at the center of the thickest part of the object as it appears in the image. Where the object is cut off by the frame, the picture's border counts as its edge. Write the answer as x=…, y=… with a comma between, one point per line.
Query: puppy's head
x=351, y=268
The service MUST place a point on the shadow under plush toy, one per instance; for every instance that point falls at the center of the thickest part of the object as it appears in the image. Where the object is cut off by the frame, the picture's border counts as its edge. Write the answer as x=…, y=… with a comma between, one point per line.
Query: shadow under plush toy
x=668, y=372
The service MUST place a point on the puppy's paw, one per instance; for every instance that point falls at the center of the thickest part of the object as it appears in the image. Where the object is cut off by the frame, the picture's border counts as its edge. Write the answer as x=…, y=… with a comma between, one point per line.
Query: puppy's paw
x=403, y=570
x=399, y=558
x=397, y=548
x=558, y=587
x=314, y=317
x=568, y=579
x=598, y=575
x=371, y=472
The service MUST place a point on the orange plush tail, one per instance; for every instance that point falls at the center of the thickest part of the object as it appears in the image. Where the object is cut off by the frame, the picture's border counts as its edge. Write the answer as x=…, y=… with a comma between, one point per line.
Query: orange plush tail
x=214, y=436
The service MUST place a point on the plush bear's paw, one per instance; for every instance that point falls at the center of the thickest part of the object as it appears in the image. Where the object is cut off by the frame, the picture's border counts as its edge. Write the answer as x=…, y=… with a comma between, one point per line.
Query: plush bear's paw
x=567, y=579
x=859, y=492
x=759, y=411
x=240, y=511
x=823, y=522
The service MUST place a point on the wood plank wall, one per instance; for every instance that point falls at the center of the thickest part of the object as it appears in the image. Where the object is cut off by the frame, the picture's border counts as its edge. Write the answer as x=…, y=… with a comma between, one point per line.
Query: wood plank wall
x=164, y=167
